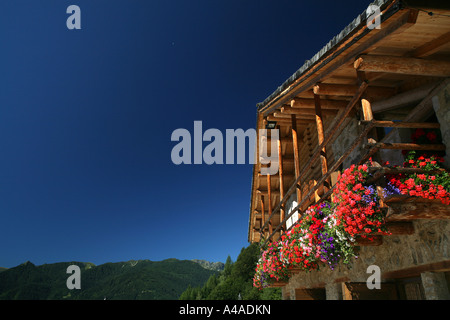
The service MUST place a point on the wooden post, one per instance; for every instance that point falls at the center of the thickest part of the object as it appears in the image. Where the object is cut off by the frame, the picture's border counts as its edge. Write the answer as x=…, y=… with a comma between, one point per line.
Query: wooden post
x=366, y=107
x=365, y=103
x=346, y=293
x=313, y=183
x=263, y=216
x=296, y=155
x=280, y=175
x=368, y=116
x=269, y=190
x=320, y=136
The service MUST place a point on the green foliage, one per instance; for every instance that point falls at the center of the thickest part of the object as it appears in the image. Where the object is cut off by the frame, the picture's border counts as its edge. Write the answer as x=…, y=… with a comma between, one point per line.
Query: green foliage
x=228, y=267
x=234, y=282
x=429, y=163
x=132, y=280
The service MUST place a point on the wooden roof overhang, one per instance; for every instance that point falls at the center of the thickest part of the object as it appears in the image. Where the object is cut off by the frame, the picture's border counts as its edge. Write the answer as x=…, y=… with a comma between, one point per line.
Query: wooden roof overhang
x=409, y=55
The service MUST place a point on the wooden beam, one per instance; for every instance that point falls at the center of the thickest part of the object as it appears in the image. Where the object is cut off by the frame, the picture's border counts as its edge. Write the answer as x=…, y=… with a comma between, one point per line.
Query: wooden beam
x=408, y=146
x=441, y=266
x=403, y=99
x=277, y=176
x=265, y=192
x=302, y=111
x=303, y=116
x=259, y=215
x=320, y=138
x=326, y=104
x=281, y=177
x=431, y=47
x=402, y=65
x=349, y=90
x=282, y=139
x=256, y=168
x=380, y=172
x=395, y=124
x=288, y=121
x=296, y=155
x=275, y=183
x=399, y=170
x=286, y=160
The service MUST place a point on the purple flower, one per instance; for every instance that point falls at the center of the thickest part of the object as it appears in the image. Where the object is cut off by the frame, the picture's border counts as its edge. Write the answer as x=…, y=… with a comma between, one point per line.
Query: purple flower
x=390, y=190
x=368, y=198
x=327, y=250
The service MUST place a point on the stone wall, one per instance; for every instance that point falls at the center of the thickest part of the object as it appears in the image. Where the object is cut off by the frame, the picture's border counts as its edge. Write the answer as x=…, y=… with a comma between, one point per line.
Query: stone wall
x=429, y=244
x=344, y=141
x=441, y=105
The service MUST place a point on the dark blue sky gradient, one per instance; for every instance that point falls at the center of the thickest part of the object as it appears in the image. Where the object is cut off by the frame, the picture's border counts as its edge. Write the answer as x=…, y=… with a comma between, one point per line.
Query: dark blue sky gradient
x=86, y=118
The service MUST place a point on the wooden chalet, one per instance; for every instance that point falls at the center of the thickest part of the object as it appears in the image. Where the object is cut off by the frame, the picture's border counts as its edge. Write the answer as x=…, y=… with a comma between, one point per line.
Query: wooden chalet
x=360, y=97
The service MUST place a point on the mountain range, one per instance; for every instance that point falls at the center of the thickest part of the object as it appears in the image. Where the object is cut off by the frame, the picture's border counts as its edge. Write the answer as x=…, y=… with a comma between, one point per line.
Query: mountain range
x=130, y=280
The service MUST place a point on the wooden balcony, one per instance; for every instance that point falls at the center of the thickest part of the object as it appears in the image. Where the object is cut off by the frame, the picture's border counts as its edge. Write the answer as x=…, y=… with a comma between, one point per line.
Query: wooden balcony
x=386, y=81
x=373, y=81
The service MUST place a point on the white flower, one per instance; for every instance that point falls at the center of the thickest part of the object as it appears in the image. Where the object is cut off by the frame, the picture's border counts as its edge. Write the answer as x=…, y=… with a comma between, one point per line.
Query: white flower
x=340, y=236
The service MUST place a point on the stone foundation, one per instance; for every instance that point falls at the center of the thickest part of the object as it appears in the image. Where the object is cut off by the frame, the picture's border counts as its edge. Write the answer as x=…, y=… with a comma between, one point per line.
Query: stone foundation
x=400, y=256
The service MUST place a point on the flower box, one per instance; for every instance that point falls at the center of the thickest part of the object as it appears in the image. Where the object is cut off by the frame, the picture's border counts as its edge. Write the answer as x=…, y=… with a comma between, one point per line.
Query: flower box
x=277, y=284
x=369, y=241
x=404, y=207
x=294, y=270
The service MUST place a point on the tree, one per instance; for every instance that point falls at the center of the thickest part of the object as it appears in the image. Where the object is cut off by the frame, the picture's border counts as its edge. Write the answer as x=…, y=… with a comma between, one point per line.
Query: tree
x=228, y=267
x=236, y=280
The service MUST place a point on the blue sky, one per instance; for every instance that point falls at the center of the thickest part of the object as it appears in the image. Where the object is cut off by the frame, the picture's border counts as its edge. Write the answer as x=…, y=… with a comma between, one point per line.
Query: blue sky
x=86, y=118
